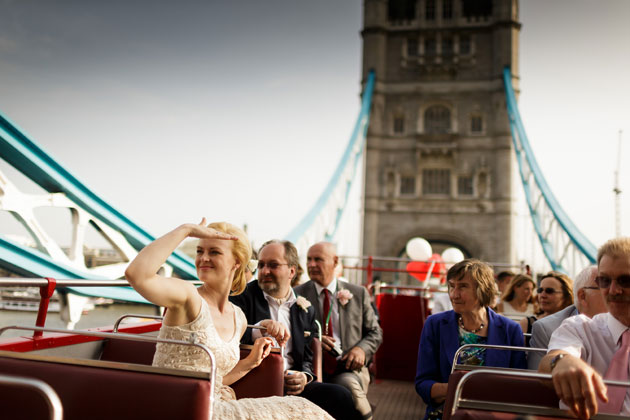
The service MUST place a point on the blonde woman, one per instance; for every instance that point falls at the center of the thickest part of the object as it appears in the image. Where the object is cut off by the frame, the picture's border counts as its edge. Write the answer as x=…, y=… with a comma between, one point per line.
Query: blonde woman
x=222, y=255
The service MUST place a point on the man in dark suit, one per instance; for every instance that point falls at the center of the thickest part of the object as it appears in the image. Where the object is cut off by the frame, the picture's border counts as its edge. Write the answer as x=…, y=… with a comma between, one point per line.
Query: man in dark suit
x=350, y=327
x=270, y=302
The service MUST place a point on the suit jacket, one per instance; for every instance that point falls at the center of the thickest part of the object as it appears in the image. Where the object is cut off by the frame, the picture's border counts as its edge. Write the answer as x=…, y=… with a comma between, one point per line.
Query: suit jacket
x=440, y=340
x=541, y=333
x=357, y=321
x=303, y=327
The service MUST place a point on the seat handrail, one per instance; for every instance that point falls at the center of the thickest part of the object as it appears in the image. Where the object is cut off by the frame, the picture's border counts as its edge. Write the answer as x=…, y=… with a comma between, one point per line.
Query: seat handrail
x=133, y=337
x=494, y=347
x=40, y=282
x=119, y=320
x=45, y=390
x=529, y=409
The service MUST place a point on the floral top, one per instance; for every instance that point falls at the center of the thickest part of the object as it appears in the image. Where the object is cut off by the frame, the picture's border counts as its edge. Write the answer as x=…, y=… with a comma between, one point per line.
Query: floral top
x=474, y=355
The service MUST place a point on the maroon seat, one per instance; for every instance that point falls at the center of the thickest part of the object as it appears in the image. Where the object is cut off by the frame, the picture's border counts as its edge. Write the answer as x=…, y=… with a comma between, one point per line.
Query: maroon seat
x=97, y=392
x=266, y=380
x=127, y=351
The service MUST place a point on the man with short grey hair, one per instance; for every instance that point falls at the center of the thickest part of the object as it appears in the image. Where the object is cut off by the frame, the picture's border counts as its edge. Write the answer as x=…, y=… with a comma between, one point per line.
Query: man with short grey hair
x=586, y=300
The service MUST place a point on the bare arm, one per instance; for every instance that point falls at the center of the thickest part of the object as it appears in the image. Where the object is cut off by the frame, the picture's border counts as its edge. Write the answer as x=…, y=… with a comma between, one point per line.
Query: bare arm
x=575, y=382
x=163, y=291
x=262, y=347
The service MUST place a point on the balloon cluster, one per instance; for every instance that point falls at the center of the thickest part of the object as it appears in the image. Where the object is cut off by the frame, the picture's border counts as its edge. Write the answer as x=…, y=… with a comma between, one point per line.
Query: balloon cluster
x=426, y=264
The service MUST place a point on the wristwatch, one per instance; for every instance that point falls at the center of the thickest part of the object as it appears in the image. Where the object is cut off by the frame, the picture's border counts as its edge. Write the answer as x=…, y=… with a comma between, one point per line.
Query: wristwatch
x=556, y=359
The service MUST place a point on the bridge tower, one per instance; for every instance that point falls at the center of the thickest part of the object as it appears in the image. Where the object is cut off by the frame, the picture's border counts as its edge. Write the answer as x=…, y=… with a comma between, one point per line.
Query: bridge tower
x=439, y=161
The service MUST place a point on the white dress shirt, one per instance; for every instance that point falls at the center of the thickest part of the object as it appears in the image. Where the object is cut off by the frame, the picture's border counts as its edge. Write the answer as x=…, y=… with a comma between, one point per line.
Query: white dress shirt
x=280, y=312
x=593, y=340
x=334, y=303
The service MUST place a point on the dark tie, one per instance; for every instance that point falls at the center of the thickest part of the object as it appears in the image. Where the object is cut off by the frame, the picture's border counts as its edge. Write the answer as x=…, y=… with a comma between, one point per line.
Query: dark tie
x=330, y=362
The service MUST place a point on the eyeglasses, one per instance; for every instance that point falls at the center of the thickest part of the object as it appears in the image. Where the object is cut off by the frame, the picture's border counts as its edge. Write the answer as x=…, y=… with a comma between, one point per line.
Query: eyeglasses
x=604, y=282
x=548, y=290
x=272, y=265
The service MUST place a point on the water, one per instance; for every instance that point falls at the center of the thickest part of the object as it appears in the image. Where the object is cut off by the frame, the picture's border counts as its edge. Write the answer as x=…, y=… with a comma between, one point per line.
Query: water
x=98, y=317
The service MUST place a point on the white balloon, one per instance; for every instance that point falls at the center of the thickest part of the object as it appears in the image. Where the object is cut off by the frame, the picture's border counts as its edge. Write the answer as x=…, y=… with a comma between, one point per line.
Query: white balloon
x=419, y=249
x=452, y=256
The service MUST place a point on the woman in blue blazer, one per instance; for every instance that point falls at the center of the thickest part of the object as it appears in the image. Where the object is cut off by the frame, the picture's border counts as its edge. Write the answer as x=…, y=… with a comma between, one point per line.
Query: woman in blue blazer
x=471, y=288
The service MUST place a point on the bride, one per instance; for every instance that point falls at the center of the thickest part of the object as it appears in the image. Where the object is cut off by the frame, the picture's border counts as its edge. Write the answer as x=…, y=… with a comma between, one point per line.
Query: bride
x=222, y=255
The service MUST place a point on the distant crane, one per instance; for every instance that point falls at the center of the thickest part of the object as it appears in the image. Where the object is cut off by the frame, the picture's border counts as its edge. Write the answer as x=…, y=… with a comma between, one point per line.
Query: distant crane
x=617, y=190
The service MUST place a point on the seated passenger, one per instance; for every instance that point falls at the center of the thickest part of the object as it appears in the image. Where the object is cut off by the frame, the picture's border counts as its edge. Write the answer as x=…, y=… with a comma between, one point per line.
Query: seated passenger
x=206, y=314
x=271, y=298
x=518, y=300
x=554, y=294
x=471, y=289
x=583, y=350
x=587, y=300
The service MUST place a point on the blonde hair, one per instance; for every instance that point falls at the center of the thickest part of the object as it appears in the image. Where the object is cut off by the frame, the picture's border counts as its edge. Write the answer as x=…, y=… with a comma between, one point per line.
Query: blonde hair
x=480, y=273
x=614, y=248
x=241, y=250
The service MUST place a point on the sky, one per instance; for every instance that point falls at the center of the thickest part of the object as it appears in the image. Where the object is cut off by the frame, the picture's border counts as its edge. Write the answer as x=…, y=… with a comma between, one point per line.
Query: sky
x=239, y=111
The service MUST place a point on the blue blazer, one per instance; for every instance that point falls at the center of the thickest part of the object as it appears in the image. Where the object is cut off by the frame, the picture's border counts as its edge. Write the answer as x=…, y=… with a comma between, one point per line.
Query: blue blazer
x=440, y=340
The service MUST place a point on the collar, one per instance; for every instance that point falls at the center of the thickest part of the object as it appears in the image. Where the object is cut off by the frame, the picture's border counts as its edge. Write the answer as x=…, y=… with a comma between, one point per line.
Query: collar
x=332, y=287
x=288, y=299
x=615, y=327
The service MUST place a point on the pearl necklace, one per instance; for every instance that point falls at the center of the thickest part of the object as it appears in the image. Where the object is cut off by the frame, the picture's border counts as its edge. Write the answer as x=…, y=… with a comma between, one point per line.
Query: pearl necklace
x=475, y=331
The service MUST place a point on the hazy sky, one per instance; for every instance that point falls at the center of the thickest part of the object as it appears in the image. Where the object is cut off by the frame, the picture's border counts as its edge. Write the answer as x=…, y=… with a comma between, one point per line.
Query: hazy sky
x=239, y=111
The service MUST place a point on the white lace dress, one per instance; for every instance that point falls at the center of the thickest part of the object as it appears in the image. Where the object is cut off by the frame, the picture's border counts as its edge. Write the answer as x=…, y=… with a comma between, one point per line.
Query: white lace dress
x=226, y=407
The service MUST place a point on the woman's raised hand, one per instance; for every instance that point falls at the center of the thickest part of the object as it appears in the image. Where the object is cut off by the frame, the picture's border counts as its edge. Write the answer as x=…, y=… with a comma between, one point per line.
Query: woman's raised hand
x=261, y=349
x=202, y=231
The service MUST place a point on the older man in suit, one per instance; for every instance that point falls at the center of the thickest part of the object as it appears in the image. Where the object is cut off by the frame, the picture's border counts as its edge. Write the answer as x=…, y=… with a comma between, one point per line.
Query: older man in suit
x=270, y=302
x=351, y=334
x=587, y=300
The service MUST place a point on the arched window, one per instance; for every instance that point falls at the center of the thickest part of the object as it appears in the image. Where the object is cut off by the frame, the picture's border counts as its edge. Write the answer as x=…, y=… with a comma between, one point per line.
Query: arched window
x=437, y=119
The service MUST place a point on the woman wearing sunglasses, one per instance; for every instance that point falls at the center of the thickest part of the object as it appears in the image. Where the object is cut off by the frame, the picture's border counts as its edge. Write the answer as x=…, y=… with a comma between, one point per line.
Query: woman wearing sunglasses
x=554, y=294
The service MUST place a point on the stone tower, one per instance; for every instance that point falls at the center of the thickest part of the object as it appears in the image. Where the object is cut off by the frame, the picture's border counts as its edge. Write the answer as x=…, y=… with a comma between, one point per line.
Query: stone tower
x=439, y=160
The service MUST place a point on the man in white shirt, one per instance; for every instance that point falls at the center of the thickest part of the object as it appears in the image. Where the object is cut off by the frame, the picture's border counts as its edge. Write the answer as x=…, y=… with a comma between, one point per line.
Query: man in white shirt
x=587, y=300
x=270, y=301
x=582, y=350
x=351, y=334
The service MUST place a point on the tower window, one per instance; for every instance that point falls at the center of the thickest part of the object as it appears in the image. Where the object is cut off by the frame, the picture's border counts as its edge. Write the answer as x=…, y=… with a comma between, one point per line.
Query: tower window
x=437, y=120
x=436, y=181
x=447, y=9
x=399, y=124
x=464, y=44
x=476, y=124
x=465, y=185
x=429, y=46
x=447, y=46
x=429, y=11
x=401, y=9
x=407, y=185
x=412, y=47
x=476, y=8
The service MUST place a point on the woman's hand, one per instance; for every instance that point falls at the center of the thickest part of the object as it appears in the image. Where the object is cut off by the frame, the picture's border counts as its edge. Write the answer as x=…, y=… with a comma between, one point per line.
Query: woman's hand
x=262, y=348
x=276, y=330
x=202, y=231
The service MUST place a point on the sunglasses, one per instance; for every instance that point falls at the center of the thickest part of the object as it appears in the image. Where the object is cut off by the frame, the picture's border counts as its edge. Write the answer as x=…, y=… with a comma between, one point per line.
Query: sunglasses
x=604, y=282
x=272, y=265
x=548, y=290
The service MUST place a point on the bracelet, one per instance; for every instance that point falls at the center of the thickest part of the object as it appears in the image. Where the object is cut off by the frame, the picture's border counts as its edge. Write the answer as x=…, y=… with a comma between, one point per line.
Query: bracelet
x=555, y=360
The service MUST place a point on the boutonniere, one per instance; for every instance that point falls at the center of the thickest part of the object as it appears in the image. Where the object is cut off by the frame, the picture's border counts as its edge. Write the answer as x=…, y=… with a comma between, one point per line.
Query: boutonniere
x=343, y=296
x=303, y=303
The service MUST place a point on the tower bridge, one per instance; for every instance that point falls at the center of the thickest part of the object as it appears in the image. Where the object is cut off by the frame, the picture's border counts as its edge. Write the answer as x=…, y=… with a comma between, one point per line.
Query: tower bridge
x=438, y=134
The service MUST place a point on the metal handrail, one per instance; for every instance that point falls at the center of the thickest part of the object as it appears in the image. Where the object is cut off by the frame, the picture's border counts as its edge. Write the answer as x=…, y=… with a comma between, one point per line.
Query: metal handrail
x=46, y=391
x=520, y=408
x=133, y=337
x=119, y=320
x=495, y=347
x=40, y=282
